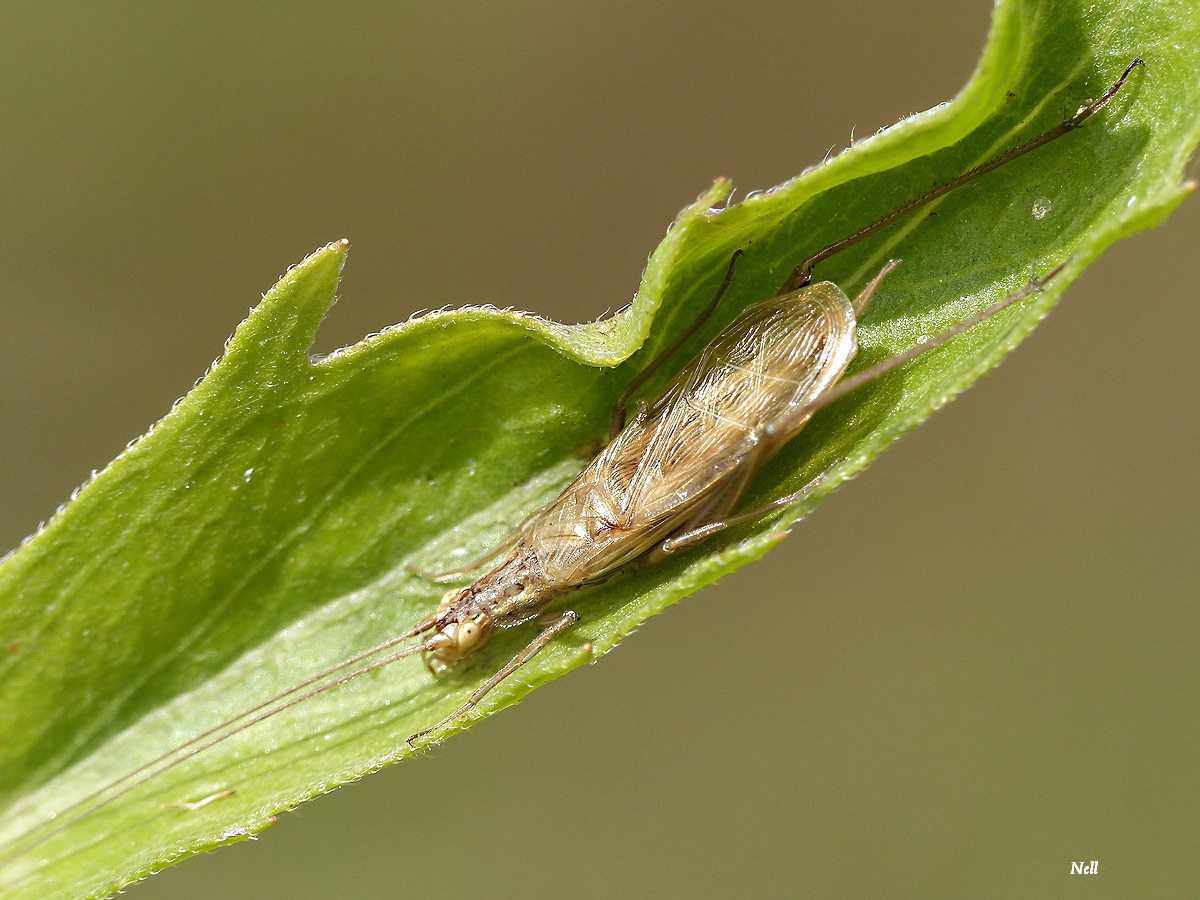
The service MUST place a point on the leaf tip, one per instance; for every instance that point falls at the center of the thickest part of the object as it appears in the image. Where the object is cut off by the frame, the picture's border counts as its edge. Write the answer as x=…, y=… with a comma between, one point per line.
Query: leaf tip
x=289, y=314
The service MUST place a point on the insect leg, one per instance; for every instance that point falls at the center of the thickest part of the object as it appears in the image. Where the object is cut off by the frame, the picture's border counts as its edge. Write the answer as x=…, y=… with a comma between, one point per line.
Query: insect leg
x=854, y=382
x=559, y=625
x=690, y=538
x=842, y=388
x=619, y=408
x=480, y=561
x=477, y=563
x=861, y=301
x=724, y=498
x=802, y=274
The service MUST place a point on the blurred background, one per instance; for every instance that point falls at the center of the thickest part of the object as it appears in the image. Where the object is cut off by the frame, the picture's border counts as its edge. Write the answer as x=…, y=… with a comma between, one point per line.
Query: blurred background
x=991, y=666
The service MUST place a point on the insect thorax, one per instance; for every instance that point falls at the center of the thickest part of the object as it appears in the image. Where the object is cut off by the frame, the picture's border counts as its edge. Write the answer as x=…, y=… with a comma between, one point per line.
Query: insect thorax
x=510, y=593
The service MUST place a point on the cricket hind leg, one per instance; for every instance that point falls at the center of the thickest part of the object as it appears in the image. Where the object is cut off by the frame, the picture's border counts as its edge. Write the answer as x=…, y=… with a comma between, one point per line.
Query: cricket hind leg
x=733, y=485
x=617, y=422
x=712, y=517
x=802, y=274
x=864, y=298
x=690, y=538
x=553, y=630
x=854, y=382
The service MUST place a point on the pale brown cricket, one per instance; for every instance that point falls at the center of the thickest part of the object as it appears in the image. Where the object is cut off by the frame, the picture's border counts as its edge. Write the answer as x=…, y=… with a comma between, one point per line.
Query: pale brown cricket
x=667, y=480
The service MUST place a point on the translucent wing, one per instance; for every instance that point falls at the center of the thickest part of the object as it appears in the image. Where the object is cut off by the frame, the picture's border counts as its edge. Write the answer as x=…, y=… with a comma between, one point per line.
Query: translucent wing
x=760, y=371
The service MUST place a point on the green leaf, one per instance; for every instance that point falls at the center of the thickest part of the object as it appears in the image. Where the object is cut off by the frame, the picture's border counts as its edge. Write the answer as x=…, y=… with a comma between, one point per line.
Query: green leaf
x=266, y=528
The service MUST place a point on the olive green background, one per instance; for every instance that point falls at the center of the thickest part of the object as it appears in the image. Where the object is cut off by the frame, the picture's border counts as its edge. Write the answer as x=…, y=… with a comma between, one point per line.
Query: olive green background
x=970, y=667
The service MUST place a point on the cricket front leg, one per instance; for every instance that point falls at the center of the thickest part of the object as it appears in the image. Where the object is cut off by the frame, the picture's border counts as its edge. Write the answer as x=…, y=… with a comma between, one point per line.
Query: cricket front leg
x=557, y=627
x=480, y=561
x=473, y=566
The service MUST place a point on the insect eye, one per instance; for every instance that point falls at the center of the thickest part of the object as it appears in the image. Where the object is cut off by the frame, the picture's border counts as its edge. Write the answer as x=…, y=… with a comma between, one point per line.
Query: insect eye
x=468, y=634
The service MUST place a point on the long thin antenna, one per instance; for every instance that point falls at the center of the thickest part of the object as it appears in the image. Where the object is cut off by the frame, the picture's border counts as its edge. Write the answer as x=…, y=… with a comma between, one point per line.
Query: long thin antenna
x=248, y=717
x=802, y=274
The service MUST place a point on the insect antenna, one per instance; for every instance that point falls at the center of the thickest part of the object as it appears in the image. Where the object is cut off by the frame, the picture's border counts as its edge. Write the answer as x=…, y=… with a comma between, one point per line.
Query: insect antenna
x=802, y=274
x=163, y=763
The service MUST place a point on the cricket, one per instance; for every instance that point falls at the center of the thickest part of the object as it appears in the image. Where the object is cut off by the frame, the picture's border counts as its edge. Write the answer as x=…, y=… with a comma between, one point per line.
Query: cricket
x=671, y=476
